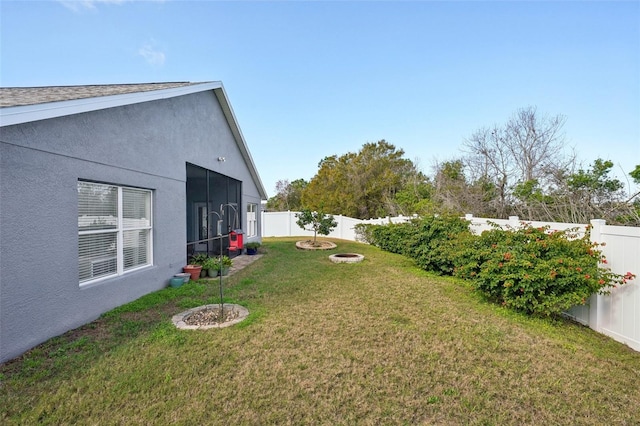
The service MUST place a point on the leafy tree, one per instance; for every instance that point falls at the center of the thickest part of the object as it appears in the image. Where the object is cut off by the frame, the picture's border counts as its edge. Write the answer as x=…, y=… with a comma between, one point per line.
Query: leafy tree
x=288, y=195
x=320, y=222
x=364, y=184
x=415, y=198
x=578, y=197
x=635, y=175
x=594, y=186
x=455, y=194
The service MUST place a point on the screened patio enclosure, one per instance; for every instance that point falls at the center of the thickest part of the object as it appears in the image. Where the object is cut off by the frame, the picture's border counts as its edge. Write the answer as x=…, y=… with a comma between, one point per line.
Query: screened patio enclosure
x=211, y=197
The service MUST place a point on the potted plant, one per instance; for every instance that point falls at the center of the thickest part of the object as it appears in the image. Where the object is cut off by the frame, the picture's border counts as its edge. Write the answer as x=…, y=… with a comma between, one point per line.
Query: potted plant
x=224, y=264
x=194, y=270
x=199, y=259
x=252, y=248
x=210, y=265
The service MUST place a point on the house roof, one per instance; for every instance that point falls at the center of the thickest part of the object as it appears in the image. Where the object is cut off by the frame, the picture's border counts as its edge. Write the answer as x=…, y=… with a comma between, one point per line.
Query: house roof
x=25, y=104
x=20, y=96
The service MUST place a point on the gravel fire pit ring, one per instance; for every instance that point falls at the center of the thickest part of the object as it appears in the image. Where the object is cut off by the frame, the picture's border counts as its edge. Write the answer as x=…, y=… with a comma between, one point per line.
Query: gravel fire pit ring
x=346, y=257
x=208, y=316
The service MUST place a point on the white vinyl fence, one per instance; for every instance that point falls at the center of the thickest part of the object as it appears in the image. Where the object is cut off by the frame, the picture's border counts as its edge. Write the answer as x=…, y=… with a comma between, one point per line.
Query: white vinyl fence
x=616, y=315
x=283, y=224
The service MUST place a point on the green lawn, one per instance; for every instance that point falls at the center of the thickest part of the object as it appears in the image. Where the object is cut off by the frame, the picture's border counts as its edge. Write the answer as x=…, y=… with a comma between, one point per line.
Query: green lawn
x=377, y=342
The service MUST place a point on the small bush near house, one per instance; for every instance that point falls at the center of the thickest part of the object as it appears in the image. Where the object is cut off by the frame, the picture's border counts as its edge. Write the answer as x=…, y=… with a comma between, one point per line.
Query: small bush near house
x=531, y=270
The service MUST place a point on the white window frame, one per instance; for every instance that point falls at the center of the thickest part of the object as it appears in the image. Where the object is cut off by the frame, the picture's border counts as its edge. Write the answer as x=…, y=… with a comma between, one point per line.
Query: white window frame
x=252, y=220
x=119, y=231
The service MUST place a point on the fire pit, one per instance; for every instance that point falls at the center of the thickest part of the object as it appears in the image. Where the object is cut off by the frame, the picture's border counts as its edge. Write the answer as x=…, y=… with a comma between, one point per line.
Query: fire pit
x=346, y=258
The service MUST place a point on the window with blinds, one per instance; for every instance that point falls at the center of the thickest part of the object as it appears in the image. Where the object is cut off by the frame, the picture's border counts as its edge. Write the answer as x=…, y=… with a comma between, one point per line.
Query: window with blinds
x=252, y=220
x=114, y=230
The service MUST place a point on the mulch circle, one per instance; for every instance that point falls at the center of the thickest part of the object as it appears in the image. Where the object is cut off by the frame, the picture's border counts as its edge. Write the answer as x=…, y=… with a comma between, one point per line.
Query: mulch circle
x=210, y=316
x=319, y=245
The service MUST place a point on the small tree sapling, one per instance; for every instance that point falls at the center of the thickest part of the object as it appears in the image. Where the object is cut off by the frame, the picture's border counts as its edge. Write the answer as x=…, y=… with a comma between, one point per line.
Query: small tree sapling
x=319, y=222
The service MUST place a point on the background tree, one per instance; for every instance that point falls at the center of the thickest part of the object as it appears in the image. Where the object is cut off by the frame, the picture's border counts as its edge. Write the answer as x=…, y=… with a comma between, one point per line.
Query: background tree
x=366, y=184
x=526, y=151
x=594, y=194
x=451, y=187
x=288, y=195
x=635, y=175
x=518, y=168
x=415, y=197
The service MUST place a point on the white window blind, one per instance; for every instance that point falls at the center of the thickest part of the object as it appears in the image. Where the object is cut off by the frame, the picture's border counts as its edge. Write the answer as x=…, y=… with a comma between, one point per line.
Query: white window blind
x=114, y=230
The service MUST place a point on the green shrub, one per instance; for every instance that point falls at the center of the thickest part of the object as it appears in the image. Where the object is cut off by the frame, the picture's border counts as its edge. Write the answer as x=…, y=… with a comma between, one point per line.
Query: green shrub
x=432, y=241
x=394, y=237
x=537, y=271
x=437, y=242
x=532, y=270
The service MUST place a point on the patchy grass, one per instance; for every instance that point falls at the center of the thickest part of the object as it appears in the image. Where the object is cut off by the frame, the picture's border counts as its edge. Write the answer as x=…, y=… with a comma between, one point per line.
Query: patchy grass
x=376, y=342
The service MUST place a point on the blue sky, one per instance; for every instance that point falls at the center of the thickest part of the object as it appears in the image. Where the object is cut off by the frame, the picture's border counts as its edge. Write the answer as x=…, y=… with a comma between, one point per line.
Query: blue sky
x=312, y=79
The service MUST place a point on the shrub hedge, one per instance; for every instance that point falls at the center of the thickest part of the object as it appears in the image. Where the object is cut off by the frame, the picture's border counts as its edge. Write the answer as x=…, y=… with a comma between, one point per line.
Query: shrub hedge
x=532, y=270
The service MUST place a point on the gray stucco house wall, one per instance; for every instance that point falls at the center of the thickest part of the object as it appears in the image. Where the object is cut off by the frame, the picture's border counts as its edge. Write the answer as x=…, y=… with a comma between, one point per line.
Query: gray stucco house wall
x=132, y=135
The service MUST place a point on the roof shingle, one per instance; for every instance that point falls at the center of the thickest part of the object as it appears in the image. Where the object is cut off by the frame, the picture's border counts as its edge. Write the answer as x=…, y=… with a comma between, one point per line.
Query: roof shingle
x=20, y=96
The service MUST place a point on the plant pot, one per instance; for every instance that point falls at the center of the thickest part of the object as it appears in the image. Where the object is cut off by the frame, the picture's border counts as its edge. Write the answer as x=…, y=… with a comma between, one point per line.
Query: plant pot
x=194, y=270
x=185, y=276
x=176, y=282
x=252, y=251
x=224, y=270
x=213, y=272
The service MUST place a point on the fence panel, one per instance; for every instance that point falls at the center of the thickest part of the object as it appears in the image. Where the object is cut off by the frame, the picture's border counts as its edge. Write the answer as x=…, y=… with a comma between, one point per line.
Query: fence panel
x=283, y=224
x=276, y=224
x=618, y=314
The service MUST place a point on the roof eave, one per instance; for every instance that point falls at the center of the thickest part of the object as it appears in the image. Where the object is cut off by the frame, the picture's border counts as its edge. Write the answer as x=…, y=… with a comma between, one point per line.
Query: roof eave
x=28, y=113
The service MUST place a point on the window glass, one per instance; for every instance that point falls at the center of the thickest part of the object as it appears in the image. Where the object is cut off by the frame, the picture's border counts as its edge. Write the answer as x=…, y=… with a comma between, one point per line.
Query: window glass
x=114, y=230
x=97, y=206
x=252, y=220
